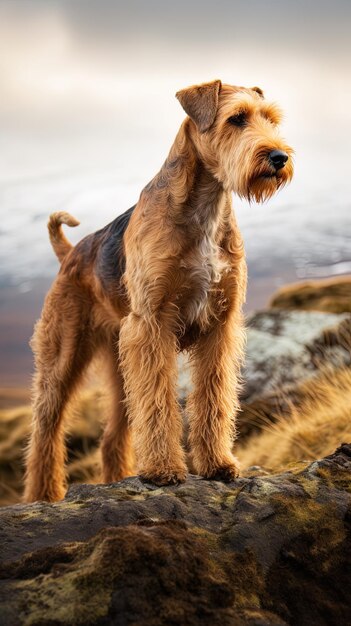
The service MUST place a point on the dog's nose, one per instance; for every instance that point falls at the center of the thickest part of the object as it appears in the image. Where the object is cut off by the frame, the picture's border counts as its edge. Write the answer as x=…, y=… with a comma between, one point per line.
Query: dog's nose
x=278, y=158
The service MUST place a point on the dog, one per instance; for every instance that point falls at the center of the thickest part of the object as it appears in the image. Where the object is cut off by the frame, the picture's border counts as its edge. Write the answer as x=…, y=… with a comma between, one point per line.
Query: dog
x=166, y=276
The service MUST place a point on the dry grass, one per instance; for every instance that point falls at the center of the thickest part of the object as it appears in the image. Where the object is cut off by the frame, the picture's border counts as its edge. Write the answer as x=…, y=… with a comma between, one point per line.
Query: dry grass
x=314, y=429
x=83, y=433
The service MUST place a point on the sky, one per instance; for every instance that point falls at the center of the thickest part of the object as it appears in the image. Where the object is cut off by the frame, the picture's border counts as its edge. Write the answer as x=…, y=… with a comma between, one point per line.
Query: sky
x=64, y=59
x=88, y=114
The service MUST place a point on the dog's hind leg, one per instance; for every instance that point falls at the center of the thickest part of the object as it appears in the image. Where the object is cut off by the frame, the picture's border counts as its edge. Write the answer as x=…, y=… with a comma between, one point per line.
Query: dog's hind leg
x=62, y=351
x=116, y=449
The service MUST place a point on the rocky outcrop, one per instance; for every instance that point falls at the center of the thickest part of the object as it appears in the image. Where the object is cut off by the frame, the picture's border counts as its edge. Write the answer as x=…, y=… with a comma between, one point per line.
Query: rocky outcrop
x=285, y=350
x=260, y=551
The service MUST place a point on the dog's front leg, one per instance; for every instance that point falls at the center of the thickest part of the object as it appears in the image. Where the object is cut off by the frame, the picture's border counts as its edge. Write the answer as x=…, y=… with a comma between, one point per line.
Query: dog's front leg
x=213, y=405
x=149, y=366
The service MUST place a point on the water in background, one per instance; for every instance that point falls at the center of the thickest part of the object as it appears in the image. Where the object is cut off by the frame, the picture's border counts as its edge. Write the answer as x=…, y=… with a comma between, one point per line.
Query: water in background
x=305, y=229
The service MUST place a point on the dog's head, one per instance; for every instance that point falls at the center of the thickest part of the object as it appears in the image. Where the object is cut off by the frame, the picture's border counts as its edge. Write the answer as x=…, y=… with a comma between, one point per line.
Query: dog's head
x=236, y=134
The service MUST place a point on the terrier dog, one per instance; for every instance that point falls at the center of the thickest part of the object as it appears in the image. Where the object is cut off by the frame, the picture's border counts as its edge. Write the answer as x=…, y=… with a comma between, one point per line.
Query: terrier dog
x=167, y=275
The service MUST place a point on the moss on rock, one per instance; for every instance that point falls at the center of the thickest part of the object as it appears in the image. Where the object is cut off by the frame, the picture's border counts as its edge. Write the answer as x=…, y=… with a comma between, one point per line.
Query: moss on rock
x=261, y=551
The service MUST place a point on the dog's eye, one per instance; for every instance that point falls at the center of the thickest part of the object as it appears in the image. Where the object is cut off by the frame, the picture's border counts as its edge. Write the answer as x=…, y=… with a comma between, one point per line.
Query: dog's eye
x=240, y=119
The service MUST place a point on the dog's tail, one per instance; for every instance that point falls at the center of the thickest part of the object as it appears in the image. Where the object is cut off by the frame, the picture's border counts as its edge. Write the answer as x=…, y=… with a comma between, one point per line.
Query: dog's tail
x=59, y=242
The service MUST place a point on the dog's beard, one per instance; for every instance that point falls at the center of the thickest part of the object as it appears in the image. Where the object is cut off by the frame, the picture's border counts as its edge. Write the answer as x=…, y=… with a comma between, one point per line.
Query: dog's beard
x=264, y=181
x=262, y=187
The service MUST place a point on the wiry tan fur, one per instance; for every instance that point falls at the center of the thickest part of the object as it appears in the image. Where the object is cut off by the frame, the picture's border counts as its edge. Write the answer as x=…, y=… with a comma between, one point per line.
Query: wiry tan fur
x=58, y=240
x=182, y=288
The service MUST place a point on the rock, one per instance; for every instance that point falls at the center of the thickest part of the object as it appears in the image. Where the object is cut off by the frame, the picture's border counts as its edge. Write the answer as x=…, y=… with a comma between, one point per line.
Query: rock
x=286, y=350
x=331, y=294
x=260, y=551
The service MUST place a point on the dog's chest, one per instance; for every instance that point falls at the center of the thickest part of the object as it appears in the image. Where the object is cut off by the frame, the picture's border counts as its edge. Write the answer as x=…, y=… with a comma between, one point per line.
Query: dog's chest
x=202, y=269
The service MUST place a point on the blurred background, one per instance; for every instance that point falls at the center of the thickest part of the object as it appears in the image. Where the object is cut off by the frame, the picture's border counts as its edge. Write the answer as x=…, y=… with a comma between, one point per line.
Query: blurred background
x=88, y=115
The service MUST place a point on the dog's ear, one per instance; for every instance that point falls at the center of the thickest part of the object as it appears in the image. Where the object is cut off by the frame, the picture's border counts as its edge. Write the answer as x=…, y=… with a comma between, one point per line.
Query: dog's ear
x=258, y=90
x=200, y=102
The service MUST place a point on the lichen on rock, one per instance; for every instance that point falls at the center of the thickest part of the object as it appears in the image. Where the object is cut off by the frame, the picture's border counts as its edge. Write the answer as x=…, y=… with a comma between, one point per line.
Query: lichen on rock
x=260, y=551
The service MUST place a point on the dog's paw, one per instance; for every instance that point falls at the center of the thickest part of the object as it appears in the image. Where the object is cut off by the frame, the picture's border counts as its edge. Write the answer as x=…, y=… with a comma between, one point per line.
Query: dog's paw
x=164, y=477
x=226, y=472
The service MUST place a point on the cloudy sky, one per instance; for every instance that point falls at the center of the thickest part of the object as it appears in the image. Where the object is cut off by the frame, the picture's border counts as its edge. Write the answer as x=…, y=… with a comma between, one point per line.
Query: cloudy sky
x=100, y=63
